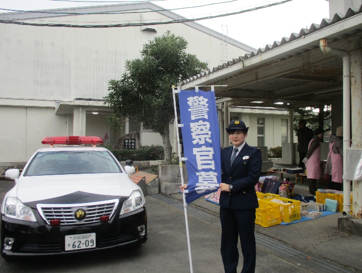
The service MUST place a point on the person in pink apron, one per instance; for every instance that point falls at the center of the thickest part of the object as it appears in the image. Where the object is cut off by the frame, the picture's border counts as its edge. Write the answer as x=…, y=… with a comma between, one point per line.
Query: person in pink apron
x=313, y=160
x=335, y=160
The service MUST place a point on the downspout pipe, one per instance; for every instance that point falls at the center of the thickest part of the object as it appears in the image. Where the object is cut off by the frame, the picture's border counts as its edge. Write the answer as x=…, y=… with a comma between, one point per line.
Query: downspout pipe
x=346, y=116
x=346, y=129
x=291, y=136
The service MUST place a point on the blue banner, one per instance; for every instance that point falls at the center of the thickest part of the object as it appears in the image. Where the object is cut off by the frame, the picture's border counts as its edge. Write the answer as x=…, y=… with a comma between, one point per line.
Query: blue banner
x=201, y=142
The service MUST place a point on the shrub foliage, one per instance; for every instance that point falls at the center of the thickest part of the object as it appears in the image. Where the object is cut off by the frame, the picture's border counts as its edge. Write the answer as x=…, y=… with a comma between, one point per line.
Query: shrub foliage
x=153, y=152
x=275, y=152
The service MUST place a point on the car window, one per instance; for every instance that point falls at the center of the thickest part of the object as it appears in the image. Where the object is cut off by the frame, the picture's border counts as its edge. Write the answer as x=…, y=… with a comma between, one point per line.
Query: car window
x=72, y=162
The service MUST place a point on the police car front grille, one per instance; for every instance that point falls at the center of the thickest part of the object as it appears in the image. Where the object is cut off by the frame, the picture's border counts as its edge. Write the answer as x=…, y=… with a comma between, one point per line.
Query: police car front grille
x=66, y=213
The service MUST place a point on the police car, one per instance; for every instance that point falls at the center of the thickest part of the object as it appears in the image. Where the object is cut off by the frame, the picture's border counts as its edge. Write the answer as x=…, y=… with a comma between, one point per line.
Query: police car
x=71, y=198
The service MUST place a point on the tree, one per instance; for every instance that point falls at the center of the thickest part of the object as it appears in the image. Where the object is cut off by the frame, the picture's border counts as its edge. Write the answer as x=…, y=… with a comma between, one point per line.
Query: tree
x=144, y=91
x=322, y=119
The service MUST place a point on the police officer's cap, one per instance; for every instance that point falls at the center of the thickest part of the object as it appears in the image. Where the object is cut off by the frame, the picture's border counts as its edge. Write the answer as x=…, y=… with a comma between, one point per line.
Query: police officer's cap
x=237, y=125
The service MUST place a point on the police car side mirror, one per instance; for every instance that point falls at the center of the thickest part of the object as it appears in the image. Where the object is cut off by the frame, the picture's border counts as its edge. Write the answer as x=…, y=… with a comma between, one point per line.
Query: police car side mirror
x=12, y=174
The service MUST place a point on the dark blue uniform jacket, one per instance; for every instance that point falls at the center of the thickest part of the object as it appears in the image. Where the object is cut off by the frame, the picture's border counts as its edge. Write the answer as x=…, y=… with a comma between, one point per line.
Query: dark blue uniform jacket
x=243, y=175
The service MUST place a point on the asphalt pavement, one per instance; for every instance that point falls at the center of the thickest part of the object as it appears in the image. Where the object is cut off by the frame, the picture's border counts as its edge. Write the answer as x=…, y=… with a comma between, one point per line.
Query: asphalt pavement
x=315, y=245
x=312, y=246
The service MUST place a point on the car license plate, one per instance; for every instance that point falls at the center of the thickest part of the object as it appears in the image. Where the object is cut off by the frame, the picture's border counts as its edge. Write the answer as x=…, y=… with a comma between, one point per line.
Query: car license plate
x=80, y=241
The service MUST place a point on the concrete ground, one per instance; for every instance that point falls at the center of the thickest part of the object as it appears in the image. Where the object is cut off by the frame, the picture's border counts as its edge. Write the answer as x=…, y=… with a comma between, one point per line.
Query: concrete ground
x=318, y=239
x=311, y=246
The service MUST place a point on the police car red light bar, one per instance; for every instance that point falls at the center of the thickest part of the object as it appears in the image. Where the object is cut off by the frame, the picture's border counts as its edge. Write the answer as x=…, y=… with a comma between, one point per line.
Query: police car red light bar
x=72, y=140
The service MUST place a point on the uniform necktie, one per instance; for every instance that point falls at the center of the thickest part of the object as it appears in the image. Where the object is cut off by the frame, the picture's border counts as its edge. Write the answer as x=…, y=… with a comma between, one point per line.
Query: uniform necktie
x=233, y=155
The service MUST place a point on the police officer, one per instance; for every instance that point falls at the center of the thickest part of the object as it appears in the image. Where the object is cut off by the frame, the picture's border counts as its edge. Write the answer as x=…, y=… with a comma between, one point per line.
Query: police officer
x=241, y=166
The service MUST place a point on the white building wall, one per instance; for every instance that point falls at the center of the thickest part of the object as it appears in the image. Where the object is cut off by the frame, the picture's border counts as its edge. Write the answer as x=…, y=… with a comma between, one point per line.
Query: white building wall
x=61, y=64
x=23, y=130
x=251, y=121
x=25, y=127
x=276, y=138
x=13, y=134
x=272, y=129
x=69, y=63
x=148, y=138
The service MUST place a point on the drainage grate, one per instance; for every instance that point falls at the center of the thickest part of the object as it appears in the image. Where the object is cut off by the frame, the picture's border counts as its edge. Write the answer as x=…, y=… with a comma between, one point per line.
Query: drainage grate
x=315, y=264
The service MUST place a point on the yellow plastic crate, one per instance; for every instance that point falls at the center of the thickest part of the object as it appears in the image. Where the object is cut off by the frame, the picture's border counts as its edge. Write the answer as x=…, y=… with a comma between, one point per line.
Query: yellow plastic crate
x=340, y=203
x=271, y=195
x=321, y=197
x=290, y=209
x=261, y=195
x=268, y=214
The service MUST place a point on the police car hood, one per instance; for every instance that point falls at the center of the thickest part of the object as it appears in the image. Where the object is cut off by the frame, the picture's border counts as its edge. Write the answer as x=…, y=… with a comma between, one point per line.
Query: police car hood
x=38, y=188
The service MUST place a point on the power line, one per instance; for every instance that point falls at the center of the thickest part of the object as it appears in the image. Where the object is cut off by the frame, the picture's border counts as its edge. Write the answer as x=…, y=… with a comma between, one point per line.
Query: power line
x=105, y=1
x=181, y=20
x=111, y=12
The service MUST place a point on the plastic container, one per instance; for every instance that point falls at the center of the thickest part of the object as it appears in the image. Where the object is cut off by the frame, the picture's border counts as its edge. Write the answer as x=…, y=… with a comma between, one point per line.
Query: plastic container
x=261, y=195
x=290, y=209
x=312, y=206
x=321, y=197
x=268, y=214
x=270, y=195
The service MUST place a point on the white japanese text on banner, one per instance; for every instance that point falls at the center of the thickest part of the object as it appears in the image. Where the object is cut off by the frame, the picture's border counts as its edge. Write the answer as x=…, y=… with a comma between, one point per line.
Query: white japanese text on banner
x=201, y=142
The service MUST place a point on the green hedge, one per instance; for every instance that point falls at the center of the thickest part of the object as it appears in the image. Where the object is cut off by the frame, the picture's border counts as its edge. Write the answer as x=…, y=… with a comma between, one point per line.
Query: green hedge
x=275, y=152
x=144, y=153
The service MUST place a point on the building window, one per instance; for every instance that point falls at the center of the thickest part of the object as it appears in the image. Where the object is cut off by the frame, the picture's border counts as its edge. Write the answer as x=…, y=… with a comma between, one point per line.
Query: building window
x=261, y=132
x=284, y=131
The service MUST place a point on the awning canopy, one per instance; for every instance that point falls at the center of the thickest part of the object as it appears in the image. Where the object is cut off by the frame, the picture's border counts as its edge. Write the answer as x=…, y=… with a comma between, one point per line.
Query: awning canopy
x=294, y=72
x=96, y=106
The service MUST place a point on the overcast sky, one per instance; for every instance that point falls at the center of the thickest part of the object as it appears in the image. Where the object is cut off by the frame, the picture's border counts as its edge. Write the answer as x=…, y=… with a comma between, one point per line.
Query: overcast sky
x=256, y=28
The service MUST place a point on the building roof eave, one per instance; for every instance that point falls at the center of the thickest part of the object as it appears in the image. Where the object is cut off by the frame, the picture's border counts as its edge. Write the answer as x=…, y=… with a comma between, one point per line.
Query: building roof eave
x=295, y=43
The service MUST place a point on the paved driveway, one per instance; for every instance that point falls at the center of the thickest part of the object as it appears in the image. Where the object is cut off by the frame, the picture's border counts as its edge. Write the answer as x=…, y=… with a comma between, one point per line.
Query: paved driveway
x=166, y=249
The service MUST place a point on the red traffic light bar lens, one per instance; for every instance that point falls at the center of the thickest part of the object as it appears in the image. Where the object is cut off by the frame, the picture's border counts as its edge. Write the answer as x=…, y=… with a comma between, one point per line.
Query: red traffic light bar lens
x=72, y=140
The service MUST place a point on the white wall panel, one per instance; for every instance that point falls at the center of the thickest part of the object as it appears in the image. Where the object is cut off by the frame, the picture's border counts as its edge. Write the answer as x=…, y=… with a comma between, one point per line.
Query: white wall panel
x=24, y=129
x=42, y=65
x=149, y=138
x=69, y=63
x=13, y=142
x=40, y=123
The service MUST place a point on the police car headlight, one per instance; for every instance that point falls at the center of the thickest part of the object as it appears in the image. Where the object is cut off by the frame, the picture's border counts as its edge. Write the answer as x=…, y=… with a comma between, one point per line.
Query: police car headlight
x=17, y=210
x=134, y=202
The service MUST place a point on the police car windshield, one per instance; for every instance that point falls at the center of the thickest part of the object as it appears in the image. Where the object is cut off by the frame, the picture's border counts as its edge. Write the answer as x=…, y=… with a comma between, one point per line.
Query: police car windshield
x=72, y=162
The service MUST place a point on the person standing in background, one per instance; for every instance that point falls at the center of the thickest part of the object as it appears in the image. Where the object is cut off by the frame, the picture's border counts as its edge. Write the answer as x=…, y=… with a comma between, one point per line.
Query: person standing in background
x=313, y=161
x=334, y=166
x=304, y=135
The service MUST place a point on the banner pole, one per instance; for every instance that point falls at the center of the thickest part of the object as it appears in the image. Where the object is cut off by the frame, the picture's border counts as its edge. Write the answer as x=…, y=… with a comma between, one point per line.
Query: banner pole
x=174, y=91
